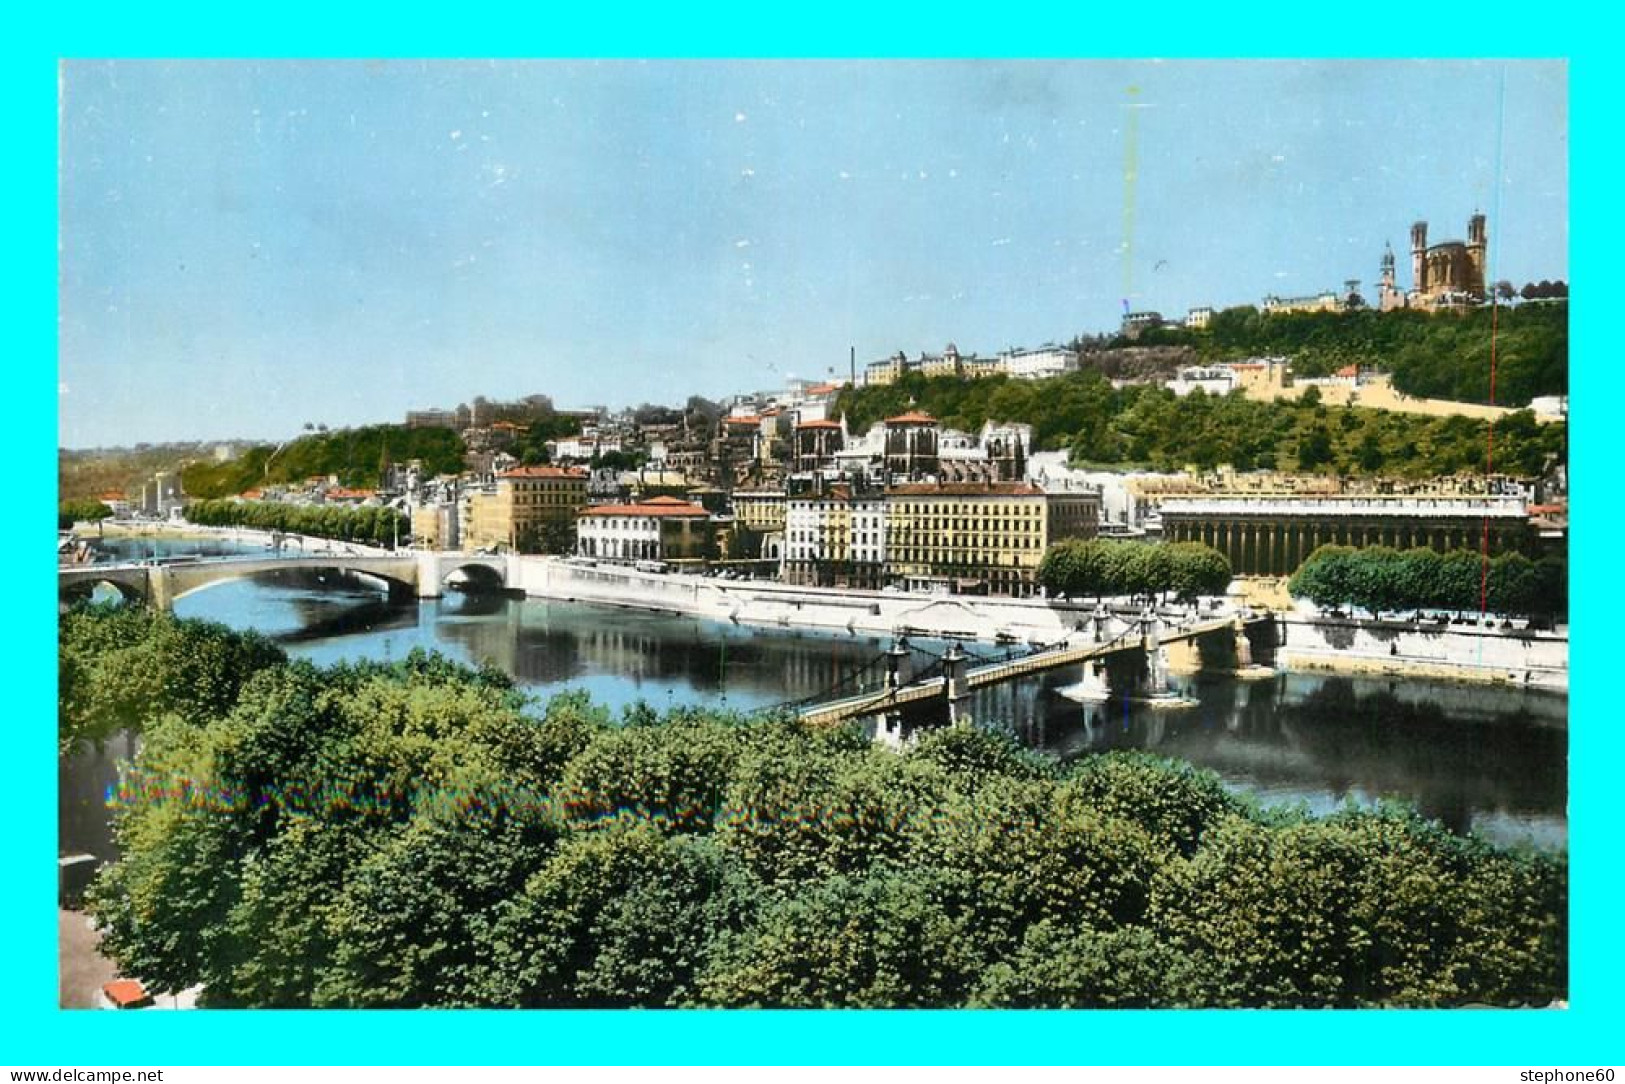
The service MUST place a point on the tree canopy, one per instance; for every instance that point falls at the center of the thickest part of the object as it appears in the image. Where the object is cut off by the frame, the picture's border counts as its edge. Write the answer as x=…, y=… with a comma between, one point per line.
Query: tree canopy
x=417, y=833
x=372, y=525
x=1100, y=567
x=70, y=512
x=1142, y=425
x=1443, y=355
x=1379, y=578
x=355, y=456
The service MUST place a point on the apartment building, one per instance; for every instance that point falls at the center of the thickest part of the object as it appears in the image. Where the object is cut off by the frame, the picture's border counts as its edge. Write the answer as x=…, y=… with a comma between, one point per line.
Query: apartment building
x=661, y=529
x=527, y=509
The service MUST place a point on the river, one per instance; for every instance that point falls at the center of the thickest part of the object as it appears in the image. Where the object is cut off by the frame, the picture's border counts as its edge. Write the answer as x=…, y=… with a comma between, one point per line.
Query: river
x=1485, y=759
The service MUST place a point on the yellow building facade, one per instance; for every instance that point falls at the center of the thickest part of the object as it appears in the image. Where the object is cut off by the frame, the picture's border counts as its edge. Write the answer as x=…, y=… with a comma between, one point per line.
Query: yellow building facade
x=956, y=535
x=524, y=506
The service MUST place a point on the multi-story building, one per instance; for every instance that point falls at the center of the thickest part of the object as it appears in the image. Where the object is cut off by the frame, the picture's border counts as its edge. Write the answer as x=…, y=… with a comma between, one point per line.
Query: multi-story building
x=956, y=537
x=943, y=364
x=1273, y=535
x=431, y=419
x=886, y=370
x=436, y=526
x=527, y=509
x=661, y=529
x=1073, y=512
x=760, y=510
x=1136, y=323
x=1040, y=364
x=835, y=537
x=965, y=537
x=1325, y=301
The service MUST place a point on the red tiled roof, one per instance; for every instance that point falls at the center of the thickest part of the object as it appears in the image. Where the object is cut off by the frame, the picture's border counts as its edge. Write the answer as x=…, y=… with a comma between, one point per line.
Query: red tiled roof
x=543, y=472
x=1349, y=370
x=913, y=417
x=743, y=419
x=659, y=506
x=111, y=497
x=126, y=993
x=819, y=425
x=822, y=389
x=251, y=494
x=351, y=494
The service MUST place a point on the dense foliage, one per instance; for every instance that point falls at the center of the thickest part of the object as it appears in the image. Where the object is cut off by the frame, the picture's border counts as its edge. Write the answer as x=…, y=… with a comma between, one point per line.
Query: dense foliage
x=70, y=512
x=1148, y=426
x=357, y=457
x=1098, y=567
x=373, y=526
x=119, y=667
x=1442, y=355
x=413, y=834
x=1378, y=578
x=85, y=474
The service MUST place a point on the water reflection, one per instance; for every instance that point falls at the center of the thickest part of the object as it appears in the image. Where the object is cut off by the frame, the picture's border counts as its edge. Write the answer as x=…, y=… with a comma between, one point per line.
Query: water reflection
x=1481, y=758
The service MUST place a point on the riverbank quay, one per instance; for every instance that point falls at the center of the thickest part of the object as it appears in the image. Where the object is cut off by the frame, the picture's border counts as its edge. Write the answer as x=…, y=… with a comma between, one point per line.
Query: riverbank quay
x=1464, y=652
x=769, y=604
x=1474, y=650
x=248, y=536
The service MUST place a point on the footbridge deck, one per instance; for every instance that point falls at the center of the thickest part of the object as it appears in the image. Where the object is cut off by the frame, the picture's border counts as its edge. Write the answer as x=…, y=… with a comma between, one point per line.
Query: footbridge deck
x=1136, y=638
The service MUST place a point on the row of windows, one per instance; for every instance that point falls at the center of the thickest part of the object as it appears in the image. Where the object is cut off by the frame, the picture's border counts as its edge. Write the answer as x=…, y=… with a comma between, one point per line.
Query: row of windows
x=937, y=559
x=940, y=541
x=619, y=525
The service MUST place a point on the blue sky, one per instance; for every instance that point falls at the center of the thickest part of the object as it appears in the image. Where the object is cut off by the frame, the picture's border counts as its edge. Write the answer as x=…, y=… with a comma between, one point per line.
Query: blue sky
x=249, y=246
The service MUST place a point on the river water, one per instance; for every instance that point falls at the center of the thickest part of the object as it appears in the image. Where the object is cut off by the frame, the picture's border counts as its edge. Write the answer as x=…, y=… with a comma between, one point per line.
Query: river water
x=1484, y=759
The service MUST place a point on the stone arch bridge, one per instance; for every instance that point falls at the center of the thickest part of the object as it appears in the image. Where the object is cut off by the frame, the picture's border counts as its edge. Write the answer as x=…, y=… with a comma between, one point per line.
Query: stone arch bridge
x=159, y=584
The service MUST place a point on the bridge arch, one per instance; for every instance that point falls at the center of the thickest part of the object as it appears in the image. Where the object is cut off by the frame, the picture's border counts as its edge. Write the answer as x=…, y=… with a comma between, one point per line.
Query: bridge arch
x=475, y=575
x=186, y=580
x=130, y=589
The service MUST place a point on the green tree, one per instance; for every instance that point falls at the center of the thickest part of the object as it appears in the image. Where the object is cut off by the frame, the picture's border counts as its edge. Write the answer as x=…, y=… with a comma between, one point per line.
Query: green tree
x=1057, y=967
x=71, y=512
x=881, y=941
x=617, y=917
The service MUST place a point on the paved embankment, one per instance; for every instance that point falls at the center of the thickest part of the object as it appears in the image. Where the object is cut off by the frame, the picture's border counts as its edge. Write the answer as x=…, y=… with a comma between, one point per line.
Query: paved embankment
x=1469, y=652
x=756, y=602
x=1463, y=652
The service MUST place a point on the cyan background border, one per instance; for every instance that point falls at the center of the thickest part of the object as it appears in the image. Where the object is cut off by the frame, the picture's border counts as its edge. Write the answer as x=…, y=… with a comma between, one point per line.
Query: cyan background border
x=38, y=1033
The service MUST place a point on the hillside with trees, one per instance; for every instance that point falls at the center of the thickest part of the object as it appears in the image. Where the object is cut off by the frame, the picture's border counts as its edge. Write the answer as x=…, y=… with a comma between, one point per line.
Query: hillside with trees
x=357, y=457
x=1144, y=426
x=86, y=474
x=419, y=834
x=1443, y=355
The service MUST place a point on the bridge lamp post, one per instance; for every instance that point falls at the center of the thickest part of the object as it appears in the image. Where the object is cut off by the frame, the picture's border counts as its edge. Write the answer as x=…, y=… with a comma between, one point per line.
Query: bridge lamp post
x=894, y=660
x=953, y=669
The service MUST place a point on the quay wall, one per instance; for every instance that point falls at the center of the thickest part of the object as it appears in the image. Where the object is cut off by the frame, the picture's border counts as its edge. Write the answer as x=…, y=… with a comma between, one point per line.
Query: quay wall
x=763, y=603
x=1463, y=652
x=1304, y=642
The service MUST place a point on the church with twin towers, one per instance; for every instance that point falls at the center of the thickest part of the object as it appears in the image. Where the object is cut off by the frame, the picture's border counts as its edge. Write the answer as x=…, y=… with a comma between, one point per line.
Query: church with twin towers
x=1449, y=274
